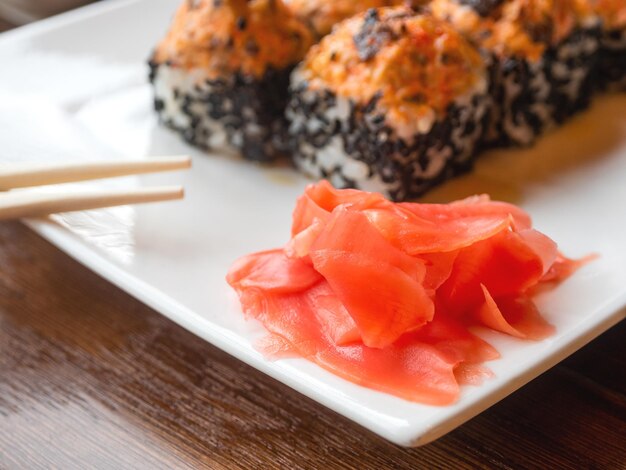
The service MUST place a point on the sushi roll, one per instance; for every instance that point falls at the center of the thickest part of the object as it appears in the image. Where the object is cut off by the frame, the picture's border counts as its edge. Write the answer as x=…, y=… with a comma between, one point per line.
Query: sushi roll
x=322, y=15
x=612, y=53
x=221, y=74
x=543, y=58
x=390, y=101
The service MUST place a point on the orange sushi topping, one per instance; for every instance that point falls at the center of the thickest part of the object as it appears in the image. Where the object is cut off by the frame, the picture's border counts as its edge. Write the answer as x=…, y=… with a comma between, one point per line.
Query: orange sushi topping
x=227, y=36
x=414, y=64
x=521, y=28
x=324, y=14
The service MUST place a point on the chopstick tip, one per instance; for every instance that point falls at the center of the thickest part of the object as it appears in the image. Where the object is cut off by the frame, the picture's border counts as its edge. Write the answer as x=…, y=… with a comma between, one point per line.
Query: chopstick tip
x=180, y=161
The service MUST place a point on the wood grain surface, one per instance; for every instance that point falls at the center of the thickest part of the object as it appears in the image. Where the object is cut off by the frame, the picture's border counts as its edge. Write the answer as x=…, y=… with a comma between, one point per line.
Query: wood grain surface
x=5, y=25
x=92, y=378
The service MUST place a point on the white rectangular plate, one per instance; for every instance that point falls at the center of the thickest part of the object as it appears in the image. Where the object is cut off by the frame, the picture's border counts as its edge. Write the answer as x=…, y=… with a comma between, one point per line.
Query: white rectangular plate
x=75, y=86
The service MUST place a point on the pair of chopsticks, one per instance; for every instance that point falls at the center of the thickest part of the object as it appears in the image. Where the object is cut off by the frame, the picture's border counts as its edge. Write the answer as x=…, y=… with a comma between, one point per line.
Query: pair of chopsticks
x=19, y=204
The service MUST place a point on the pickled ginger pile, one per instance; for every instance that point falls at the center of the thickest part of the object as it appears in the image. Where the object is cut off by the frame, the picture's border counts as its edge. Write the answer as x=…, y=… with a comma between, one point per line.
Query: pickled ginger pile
x=383, y=294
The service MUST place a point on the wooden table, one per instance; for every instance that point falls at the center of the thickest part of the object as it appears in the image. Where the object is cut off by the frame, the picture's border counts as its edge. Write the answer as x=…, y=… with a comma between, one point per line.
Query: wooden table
x=92, y=378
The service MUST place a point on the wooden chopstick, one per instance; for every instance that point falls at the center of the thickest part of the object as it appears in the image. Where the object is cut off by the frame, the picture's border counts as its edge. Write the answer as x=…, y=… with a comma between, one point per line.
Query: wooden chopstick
x=18, y=204
x=23, y=175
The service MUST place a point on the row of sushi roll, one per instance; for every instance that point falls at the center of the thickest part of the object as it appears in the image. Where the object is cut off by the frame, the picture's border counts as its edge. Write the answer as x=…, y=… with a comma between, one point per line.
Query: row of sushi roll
x=383, y=95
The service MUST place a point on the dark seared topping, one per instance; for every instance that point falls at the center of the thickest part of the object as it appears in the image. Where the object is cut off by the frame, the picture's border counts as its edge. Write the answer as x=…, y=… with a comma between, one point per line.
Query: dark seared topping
x=373, y=35
x=417, y=98
x=241, y=23
x=540, y=32
x=482, y=7
x=372, y=16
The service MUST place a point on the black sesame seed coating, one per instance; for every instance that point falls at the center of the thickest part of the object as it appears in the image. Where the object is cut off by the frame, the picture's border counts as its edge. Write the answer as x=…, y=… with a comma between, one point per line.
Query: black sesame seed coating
x=152, y=70
x=532, y=97
x=407, y=169
x=611, y=70
x=248, y=110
